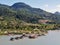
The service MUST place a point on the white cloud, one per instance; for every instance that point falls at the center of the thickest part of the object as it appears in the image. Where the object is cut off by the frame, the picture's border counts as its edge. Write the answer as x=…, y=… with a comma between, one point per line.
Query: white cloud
x=58, y=6
x=46, y=5
x=53, y=9
x=50, y=10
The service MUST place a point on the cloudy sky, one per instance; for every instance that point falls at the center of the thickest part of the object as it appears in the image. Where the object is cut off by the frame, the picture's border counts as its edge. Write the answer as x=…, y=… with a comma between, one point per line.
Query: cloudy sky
x=48, y=5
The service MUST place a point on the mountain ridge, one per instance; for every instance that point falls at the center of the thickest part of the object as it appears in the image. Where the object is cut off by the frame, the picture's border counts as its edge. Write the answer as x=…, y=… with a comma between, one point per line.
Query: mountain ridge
x=26, y=13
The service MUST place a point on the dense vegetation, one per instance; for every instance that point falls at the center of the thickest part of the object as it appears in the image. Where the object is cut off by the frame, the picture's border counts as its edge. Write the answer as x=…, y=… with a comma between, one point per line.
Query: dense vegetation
x=21, y=16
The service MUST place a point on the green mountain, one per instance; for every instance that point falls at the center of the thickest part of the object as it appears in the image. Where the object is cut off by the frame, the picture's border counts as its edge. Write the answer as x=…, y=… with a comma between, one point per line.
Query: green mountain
x=21, y=12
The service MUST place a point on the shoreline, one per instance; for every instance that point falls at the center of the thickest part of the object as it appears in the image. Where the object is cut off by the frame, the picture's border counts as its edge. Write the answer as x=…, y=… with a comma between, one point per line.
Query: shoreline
x=22, y=32
x=29, y=32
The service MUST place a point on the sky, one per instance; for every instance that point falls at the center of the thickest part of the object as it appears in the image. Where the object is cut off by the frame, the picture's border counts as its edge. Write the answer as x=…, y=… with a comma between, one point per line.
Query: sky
x=47, y=5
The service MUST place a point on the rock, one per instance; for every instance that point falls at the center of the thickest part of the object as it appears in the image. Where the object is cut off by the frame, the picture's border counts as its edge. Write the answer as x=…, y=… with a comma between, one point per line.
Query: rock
x=11, y=39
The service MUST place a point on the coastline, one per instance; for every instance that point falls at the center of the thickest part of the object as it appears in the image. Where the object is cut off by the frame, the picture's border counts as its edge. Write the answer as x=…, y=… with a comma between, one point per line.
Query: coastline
x=20, y=32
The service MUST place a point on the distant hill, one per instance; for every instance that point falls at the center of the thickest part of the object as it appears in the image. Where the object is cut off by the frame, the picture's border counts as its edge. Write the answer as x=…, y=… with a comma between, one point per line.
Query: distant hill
x=57, y=13
x=25, y=13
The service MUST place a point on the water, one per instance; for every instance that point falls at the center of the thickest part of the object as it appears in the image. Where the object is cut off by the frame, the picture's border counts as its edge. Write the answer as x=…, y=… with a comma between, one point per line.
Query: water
x=52, y=38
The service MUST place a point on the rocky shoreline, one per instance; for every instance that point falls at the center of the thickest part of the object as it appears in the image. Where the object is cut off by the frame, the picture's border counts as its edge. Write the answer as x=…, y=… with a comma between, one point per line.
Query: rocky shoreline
x=30, y=36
